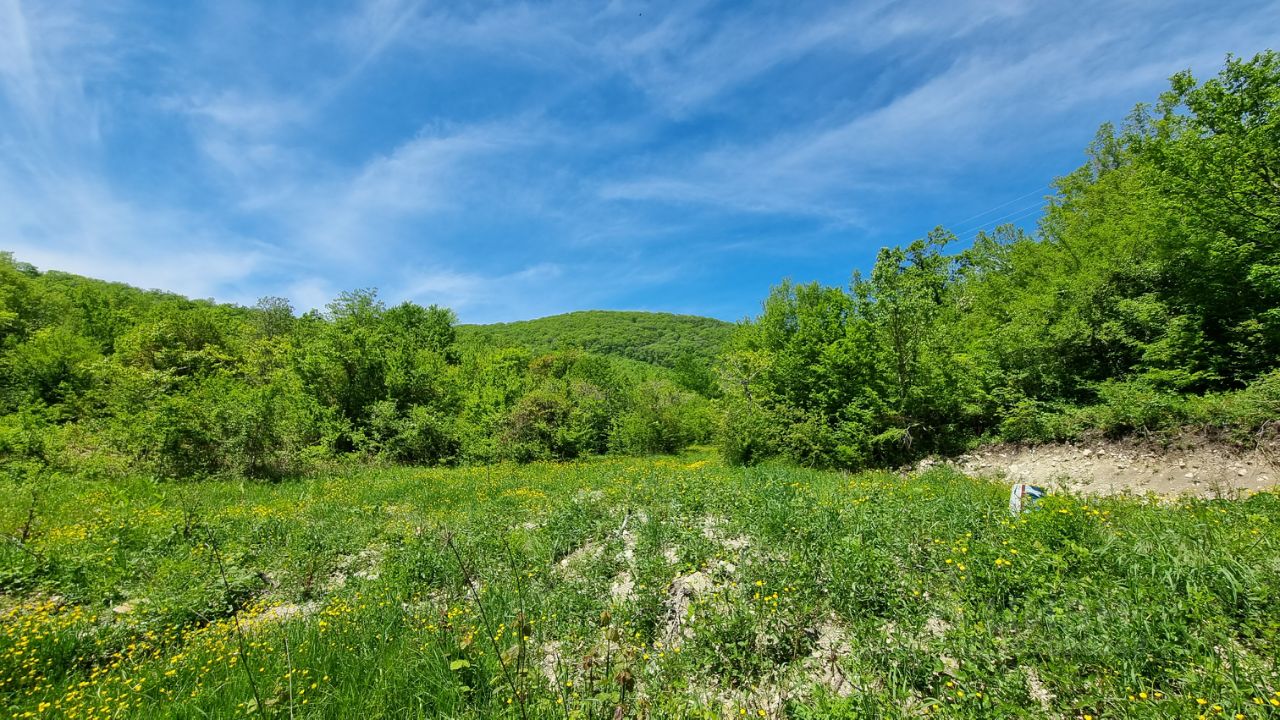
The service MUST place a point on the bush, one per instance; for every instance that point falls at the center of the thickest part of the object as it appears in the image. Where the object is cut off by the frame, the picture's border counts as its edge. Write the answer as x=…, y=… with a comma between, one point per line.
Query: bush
x=1029, y=421
x=418, y=436
x=809, y=440
x=226, y=425
x=52, y=367
x=1137, y=406
x=537, y=428
x=27, y=441
x=746, y=435
x=663, y=419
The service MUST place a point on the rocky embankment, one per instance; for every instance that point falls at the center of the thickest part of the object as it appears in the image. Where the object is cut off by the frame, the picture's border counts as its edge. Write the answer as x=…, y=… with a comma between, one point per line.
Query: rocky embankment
x=1185, y=465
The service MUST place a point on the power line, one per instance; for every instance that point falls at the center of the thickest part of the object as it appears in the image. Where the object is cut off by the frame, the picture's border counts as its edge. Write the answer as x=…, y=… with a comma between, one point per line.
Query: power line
x=985, y=223
x=1038, y=190
x=1028, y=213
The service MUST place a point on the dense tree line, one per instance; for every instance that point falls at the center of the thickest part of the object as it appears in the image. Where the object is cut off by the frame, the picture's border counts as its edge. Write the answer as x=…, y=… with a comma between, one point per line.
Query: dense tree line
x=103, y=378
x=1149, y=297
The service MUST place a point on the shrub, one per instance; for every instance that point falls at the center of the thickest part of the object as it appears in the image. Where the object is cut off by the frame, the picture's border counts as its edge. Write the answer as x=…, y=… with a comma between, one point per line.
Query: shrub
x=226, y=425
x=1137, y=406
x=1029, y=421
x=418, y=436
x=746, y=434
x=663, y=419
x=27, y=440
x=536, y=428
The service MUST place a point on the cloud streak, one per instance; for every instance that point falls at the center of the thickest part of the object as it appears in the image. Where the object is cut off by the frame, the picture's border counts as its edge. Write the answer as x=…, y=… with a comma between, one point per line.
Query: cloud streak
x=515, y=159
x=970, y=111
x=57, y=208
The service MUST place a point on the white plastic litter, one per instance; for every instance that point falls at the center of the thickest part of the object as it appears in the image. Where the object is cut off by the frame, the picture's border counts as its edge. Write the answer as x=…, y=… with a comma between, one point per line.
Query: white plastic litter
x=1023, y=497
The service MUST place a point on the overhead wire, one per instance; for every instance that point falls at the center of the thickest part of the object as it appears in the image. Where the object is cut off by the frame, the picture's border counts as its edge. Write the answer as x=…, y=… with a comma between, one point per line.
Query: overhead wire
x=996, y=220
x=971, y=235
x=1003, y=205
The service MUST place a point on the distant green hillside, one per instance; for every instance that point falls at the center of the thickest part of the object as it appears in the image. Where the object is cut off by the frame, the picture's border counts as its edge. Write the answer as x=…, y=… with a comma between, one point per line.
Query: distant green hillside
x=659, y=338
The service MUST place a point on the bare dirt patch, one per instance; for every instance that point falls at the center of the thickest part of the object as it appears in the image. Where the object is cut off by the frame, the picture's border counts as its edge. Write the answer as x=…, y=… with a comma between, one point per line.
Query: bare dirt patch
x=586, y=553
x=364, y=565
x=822, y=667
x=766, y=701
x=624, y=584
x=1037, y=690
x=683, y=591
x=623, y=588
x=713, y=530
x=1187, y=465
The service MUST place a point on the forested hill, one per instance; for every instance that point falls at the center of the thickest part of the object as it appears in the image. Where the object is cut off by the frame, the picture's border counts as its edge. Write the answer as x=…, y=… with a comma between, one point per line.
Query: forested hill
x=1147, y=299
x=658, y=338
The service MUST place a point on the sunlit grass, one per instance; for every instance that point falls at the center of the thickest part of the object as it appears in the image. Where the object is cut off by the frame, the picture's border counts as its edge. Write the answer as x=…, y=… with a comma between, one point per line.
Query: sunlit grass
x=672, y=587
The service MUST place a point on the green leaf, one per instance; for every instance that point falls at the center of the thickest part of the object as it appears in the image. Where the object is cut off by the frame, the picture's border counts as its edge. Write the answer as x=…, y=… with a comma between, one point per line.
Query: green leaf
x=457, y=665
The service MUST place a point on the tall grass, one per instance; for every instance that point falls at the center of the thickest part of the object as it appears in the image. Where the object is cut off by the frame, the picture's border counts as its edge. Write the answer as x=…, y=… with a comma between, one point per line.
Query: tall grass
x=631, y=588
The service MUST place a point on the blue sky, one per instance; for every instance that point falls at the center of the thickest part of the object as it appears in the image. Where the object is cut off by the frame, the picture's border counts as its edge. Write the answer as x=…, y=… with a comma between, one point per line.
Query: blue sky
x=513, y=160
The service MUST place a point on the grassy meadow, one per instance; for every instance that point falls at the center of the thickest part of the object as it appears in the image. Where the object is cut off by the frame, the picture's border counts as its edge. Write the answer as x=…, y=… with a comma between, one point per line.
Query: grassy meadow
x=615, y=587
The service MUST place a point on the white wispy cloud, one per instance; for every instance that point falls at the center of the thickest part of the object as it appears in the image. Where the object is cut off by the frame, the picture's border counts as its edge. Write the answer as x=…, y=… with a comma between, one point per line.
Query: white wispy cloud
x=479, y=297
x=372, y=29
x=57, y=209
x=633, y=145
x=983, y=105
x=692, y=59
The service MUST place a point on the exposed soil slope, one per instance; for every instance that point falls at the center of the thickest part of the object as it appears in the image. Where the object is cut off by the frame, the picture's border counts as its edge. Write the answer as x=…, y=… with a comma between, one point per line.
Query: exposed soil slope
x=1190, y=465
